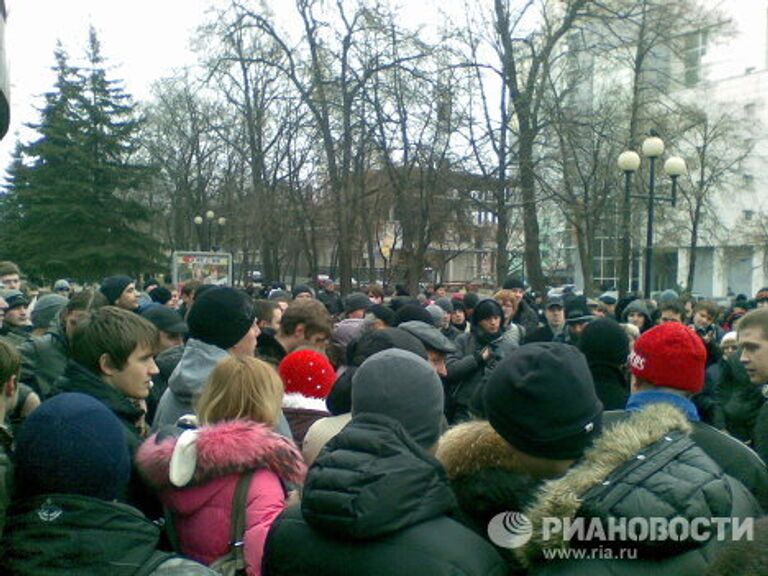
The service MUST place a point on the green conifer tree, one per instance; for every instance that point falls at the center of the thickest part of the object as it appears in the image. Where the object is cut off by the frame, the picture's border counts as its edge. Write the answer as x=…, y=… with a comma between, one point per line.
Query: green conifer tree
x=72, y=191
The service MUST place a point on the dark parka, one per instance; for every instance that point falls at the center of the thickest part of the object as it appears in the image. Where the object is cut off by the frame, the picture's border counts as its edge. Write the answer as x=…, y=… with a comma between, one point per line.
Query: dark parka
x=646, y=466
x=376, y=503
x=6, y=475
x=487, y=478
x=467, y=371
x=63, y=534
x=526, y=317
x=44, y=359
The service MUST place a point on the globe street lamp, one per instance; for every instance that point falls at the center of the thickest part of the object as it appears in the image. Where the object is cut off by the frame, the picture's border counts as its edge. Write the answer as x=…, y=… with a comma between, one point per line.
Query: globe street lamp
x=674, y=167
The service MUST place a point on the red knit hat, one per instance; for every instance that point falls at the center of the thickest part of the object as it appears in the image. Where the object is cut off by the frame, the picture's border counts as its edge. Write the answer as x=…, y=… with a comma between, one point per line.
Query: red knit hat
x=307, y=372
x=670, y=355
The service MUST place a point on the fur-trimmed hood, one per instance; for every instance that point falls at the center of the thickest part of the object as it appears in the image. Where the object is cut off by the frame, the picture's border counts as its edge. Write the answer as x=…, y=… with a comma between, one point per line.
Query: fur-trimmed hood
x=474, y=446
x=638, y=455
x=222, y=449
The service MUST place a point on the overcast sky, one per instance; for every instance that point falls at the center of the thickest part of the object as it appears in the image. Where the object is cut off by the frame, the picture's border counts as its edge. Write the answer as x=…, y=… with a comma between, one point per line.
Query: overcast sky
x=144, y=39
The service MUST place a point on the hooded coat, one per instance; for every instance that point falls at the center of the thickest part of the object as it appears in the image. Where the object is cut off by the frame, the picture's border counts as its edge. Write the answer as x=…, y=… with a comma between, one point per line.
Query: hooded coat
x=486, y=476
x=376, y=503
x=644, y=467
x=186, y=383
x=202, y=510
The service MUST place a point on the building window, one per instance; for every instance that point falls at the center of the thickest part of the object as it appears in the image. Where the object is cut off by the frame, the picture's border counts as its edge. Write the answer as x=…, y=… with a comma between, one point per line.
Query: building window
x=694, y=47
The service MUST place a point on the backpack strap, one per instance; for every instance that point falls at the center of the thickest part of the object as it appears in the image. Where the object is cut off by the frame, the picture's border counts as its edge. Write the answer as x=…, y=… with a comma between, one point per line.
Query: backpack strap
x=170, y=530
x=237, y=521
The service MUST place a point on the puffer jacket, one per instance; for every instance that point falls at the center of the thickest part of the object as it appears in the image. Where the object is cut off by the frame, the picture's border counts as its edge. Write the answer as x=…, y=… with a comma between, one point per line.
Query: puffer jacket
x=376, y=503
x=63, y=534
x=644, y=467
x=202, y=510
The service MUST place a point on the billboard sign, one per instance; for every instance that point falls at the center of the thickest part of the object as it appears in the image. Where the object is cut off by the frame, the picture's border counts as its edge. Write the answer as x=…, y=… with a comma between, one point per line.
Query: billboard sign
x=206, y=267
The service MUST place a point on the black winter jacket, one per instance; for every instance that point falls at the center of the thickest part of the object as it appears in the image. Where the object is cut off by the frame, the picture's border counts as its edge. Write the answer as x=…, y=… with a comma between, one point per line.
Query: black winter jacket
x=61, y=534
x=644, y=467
x=375, y=503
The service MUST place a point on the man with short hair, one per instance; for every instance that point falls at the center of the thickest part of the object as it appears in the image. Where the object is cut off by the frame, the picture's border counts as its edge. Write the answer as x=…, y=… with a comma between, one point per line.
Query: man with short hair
x=10, y=367
x=555, y=316
x=112, y=360
x=753, y=343
x=10, y=276
x=120, y=291
x=304, y=323
x=672, y=311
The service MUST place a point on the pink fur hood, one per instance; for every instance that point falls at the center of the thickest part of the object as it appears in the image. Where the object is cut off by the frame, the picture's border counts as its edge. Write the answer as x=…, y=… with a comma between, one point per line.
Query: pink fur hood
x=222, y=449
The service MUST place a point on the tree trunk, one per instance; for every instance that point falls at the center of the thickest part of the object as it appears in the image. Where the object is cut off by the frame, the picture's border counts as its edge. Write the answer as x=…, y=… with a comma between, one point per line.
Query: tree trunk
x=530, y=217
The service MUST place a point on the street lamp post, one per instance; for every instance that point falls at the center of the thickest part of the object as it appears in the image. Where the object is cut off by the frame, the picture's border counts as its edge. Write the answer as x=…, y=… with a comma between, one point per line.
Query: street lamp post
x=209, y=216
x=629, y=162
x=674, y=167
x=198, y=220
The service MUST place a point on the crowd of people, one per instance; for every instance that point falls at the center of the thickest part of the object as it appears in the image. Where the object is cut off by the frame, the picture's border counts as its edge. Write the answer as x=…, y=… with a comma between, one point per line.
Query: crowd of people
x=203, y=429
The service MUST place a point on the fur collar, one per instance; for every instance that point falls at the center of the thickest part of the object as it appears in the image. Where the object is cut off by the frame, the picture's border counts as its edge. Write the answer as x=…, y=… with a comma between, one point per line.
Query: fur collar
x=474, y=446
x=224, y=448
x=298, y=400
x=618, y=444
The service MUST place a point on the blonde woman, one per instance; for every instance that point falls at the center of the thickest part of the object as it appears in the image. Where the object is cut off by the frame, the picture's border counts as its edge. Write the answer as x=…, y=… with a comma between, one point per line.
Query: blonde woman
x=196, y=471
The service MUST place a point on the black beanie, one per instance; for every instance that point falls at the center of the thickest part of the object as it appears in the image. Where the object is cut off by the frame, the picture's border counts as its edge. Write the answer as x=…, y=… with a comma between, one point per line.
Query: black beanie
x=485, y=309
x=412, y=312
x=470, y=300
x=114, y=286
x=221, y=316
x=542, y=400
x=339, y=400
x=603, y=341
x=513, y=282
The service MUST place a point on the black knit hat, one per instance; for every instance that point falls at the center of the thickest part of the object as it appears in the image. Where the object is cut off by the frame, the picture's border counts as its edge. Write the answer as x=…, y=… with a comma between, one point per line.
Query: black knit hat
x=470, y=300
x=383, y=313
x=221, y=316
x=485, y=309
x=114, y=286
x=412, y=312
x=513, y=282
x=542, y=400
x=302, y=289
x=603, y=341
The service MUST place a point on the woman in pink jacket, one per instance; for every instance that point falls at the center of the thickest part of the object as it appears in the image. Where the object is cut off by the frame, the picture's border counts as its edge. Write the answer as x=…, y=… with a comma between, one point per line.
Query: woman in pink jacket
x=196, y=472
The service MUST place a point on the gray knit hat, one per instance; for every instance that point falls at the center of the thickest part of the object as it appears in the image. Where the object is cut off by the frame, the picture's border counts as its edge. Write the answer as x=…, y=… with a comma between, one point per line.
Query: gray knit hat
x=399, y=384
